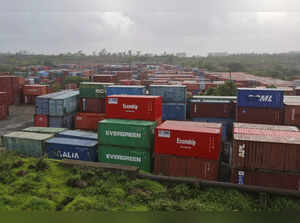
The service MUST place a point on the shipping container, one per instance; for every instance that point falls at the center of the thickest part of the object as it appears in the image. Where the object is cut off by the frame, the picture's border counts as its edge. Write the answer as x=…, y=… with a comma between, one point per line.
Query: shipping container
x=66, y=121
x=92, y=105
x=26, y=143
x=206, y=98
x=211, y=109
x=292, y=111
x=272, y=151
x=260, y=98
x=127, y=133
x=77, y=134
x=88, y=121
x=42, y=102
x=10, y=85
x=4, y=98
x=140, y=158
x=72, y=149
x=35, y=90
x=44, y=130
x=93, y=89
x=174, y=111
x=170, y=94
x=124, y=89
x=263, y=178
x=191, y=139
x=4, y=111
x=227, y=126
x=41, y=120
x=64, y=104
x=148, y=108
x=178, y=166
x=265, y=127
x=260, y=115
x=104, y=78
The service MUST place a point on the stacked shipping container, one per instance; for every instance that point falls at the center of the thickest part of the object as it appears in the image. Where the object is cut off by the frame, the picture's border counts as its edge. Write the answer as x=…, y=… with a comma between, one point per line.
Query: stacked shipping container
x=4, y=106
x=11, y=85
x=30, y=92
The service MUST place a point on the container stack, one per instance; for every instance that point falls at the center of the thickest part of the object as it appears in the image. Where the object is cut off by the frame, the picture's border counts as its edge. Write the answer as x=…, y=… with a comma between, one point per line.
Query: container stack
x=174, y=99
x=32, y=91
x=125, y=90
x=62, y=109
x=10, y=84
x=266, y=156
x=263, y=106
x=214, y=109
x=92, y=105
x=188, y=149
x=292, y=110
x=41, y=117
x=4, y=106
x=127, y=137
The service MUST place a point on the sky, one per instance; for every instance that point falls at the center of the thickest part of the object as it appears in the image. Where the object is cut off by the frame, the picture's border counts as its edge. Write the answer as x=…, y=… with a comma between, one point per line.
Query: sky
x=196, y=27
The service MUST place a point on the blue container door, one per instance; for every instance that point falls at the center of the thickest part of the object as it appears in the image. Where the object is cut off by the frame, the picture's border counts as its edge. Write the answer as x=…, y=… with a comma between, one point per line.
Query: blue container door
x=125, y=90
x=173, y=111
x=169, y=94
x=260, y=98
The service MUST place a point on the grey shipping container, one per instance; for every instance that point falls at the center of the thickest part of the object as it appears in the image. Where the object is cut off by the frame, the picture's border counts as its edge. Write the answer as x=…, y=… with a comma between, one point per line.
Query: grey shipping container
x=42, y=102
x=64, y=104
x=26, y=143
x=169, y=93
x=66, y=121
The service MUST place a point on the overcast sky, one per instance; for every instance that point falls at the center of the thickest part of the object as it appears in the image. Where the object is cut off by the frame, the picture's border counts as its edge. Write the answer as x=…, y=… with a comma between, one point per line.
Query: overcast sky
x=154, y=26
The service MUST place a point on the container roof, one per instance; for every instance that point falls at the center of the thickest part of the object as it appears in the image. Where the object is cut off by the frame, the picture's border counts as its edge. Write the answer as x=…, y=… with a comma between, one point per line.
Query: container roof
x=95, y=83
x=266, y=127
x=263, y=138
x=127, y=86
x=29, y=135
x=261, y=89
x=127, y=122
x=43, y=130
x=73, y=142
x=182, y=86
x=133, y=96
x=78, y=133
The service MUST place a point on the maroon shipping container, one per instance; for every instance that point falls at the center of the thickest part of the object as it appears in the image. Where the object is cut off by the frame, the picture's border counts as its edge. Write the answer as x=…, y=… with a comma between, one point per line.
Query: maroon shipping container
x=192, y=139
x=10, y=84
x=29, y=100
x=92, y=105
x=211, y=109
x=3, y=111
x=260, y=115
x=292, y=114
x=134, y=107
x=105, y=78
x=4, y=98
x=265, y=127
x=41, y=120
x=279, y=151
x=290, y=181
x=177, y=166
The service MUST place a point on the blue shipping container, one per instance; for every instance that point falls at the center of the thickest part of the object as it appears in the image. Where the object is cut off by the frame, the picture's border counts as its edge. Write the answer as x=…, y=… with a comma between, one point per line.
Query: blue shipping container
x=42, y=103
x=77, y=134
x=66, y=121
x=169, y=93
x=261, y=98
x=64, y=104
x=173, y=111
x=125, y=89
x=227, y=125
x=72, y=149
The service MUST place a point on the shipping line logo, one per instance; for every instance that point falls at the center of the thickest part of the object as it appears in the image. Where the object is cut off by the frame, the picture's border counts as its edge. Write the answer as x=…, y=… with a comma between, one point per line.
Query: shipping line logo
x=135, y=107
x=123, y=134
x=100, y=91
x=67, y=155
x=189, y=142
x=262, y=98
x=123, y=158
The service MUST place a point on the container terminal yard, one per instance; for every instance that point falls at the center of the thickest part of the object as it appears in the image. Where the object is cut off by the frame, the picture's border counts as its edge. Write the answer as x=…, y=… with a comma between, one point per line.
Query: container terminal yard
x=155, y=122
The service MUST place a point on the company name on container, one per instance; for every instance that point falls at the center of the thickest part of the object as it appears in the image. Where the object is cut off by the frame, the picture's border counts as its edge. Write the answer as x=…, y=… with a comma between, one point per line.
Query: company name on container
x=68, y=155
x=100, y=91
x=123, y=158
x=189, y=142
x=135, y=107
x=123, y=134
x=263, y=98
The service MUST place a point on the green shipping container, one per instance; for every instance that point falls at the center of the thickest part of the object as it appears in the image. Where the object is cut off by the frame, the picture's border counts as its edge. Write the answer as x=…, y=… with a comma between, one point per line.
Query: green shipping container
x=93, y=89
x=26, y=143
x=44, y=130
x=128, y=133
x=140, y=158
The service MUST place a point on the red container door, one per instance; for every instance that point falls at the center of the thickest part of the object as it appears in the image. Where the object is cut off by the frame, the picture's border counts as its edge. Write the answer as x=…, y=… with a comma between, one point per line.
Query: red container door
x=148, y=108
x=92, y=105
x=41, y=121
x=88, y=121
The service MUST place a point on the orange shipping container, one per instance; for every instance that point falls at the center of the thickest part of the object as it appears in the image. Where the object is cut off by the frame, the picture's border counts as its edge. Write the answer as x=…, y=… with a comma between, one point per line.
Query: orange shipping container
x=35, y=90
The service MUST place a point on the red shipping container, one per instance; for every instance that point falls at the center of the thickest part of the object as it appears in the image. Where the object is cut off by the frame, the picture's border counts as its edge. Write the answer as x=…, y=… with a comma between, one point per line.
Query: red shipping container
x=92, y=105
x=211, y=109
x=4, y=98
x=190, y=139
x=10, y=85
x=35, y=90
x=133, y=107
x=88, y=121
x=41, y=121
x=3, y=111
x=260, y=115
x=289, y=181
x=292, y=114
x=176, y=166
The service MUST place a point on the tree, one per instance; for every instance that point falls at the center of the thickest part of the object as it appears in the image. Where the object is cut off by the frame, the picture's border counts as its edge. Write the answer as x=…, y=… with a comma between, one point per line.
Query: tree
x=235, y=67
x=227, y=89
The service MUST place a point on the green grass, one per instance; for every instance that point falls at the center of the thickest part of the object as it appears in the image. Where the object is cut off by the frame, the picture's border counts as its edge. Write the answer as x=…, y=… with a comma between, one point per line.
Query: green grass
x=46, y=185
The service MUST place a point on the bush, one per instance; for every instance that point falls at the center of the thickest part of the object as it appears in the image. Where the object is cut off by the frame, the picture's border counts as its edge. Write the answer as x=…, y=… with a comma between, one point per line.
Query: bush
x=38, y=204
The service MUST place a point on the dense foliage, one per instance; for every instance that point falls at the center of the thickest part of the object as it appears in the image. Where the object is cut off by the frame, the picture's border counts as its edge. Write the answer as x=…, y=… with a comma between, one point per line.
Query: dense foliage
x=44, y=185
x=227, y=89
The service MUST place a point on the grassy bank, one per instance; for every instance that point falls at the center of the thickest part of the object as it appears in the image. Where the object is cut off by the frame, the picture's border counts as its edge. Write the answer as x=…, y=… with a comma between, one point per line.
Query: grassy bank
x=39, y=185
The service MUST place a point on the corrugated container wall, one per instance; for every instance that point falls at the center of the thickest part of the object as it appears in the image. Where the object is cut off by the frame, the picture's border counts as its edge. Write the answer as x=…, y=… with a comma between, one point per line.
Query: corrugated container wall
x=92, y=105
x=72, y=149
x=123, y=89
x=41, y=120
x=88, y=121
x=66, y=121
x=174, y=111
x=42, y=103
x=93, y=89
x=64, y=104
x=170, y=94
x=35, y=90
x=260, y=98
x=10, y=85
